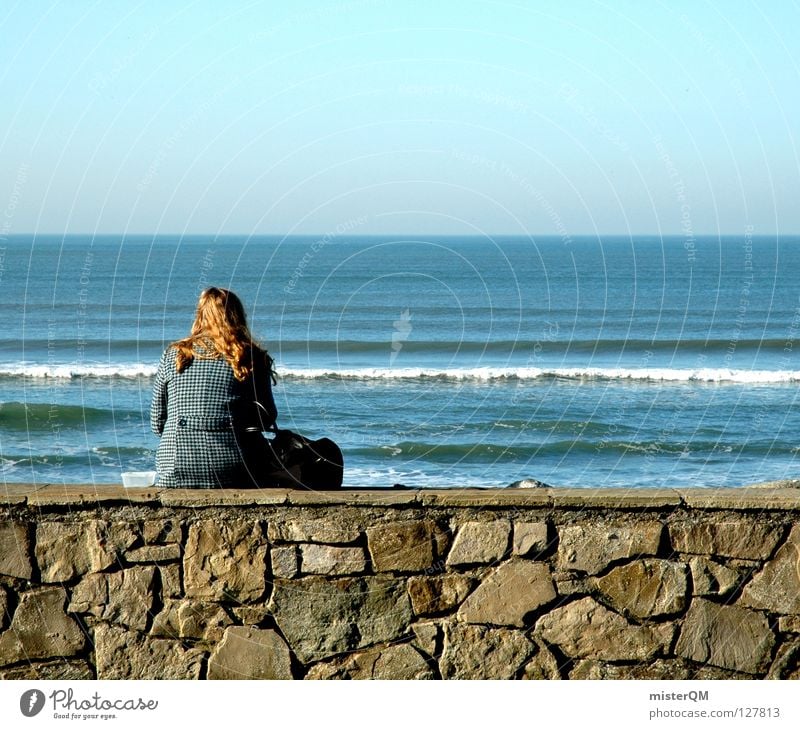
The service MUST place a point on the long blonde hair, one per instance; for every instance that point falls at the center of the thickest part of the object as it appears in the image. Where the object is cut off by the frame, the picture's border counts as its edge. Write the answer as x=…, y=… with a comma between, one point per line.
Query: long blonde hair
x=220, y=330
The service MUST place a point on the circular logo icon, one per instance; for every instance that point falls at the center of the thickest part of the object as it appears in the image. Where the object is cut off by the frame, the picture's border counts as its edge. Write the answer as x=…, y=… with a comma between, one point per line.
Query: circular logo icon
x=31, y=702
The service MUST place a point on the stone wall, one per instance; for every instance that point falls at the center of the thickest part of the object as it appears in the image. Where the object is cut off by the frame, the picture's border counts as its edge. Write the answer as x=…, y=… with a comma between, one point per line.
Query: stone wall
x=103, y=582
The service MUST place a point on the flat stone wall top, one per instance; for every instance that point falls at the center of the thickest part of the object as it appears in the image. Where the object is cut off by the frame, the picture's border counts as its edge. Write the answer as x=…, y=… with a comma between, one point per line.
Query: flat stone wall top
x=776, y=495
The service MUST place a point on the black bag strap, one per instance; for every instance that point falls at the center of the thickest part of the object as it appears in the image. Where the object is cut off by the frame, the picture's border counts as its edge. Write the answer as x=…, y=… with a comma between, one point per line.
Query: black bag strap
x=272, y=428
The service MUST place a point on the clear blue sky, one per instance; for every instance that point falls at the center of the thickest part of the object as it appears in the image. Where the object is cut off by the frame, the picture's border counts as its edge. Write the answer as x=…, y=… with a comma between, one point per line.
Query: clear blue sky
x=400, y=116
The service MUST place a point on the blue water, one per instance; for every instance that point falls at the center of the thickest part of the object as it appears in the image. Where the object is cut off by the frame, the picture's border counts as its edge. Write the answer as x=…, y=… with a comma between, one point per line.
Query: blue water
x=613, y=361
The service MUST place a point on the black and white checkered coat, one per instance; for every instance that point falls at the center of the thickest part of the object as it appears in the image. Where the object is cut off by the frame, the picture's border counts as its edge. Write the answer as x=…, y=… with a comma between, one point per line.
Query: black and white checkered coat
x=201, y=415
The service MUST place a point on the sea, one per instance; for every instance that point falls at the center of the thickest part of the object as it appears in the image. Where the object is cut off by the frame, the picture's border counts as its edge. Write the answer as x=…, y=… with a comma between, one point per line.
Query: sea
x=629, y=361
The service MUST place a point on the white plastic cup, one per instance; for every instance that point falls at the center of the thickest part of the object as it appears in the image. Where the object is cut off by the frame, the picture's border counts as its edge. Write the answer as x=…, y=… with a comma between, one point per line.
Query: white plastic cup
x=138, y=479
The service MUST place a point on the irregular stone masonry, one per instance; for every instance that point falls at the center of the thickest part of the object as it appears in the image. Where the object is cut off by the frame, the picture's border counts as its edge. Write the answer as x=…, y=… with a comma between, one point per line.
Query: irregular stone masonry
x=103, y=582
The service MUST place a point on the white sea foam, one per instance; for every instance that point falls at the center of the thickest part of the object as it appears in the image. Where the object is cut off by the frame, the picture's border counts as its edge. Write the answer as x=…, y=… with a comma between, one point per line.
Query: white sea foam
x=69, y=371
x=414, y=478
x=488, y=374
x=467, y=374
x=7, y=464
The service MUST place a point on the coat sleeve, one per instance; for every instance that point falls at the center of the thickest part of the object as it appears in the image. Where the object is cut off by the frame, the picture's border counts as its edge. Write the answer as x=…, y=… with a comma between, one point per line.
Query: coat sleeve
x=158, y=405
x=264, y=395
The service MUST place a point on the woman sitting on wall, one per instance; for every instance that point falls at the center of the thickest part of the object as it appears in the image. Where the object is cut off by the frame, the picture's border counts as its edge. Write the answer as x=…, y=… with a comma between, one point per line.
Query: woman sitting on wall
x=211, y=399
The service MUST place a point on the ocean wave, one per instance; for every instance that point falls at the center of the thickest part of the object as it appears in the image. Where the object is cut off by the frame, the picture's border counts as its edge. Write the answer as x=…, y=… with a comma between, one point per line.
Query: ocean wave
x=491, y=374
x=483, y=452
x=142, y=346
x=28, y=417
x=452, y=374
x=592, y=345
x=73, y=371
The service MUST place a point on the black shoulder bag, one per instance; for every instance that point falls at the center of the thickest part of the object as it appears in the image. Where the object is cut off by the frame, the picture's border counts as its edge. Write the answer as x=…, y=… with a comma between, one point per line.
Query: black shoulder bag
x=303, y=463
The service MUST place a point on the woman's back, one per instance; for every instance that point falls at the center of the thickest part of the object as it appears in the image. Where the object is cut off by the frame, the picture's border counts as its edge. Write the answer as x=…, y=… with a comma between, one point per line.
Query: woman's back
x=202, y=415
x=212, y=397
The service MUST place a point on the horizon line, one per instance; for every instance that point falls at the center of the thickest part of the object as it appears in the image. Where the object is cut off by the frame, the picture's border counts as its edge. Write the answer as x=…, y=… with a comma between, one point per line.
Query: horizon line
x=337, y=234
